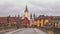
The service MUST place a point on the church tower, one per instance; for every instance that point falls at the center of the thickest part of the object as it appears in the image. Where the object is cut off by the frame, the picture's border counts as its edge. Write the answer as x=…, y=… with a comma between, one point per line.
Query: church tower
x=26, y=12
x=30, y=16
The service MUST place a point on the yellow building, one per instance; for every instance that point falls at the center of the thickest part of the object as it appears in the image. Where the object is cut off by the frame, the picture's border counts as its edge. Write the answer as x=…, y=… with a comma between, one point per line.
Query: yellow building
x=46, y=21
x=41, y=23
x=58, y=25
x=35, y=22
x=38, y=23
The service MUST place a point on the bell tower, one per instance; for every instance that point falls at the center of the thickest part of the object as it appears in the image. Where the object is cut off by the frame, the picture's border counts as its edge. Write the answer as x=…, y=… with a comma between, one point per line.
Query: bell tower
x=26, y=12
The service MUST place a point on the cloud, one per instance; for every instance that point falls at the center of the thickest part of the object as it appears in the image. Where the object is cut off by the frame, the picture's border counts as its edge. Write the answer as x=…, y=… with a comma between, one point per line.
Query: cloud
x=12, y=7
x=46, y=7
x=15, y=7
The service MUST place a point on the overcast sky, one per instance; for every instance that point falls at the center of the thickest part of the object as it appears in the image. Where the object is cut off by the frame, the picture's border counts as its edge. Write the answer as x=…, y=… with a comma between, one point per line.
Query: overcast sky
x=39, y=7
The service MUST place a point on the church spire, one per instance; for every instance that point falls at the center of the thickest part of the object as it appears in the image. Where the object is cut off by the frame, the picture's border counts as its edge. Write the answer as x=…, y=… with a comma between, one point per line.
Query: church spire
x=26, y=12
x=26, y=9
x=31, y=16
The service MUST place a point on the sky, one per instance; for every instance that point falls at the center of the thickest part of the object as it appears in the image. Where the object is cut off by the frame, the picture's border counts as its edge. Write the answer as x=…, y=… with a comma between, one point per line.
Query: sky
x=39, y=7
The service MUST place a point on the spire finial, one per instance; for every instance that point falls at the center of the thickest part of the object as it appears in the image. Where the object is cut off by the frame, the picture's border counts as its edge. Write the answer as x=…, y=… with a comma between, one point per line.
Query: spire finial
x=26, y=8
